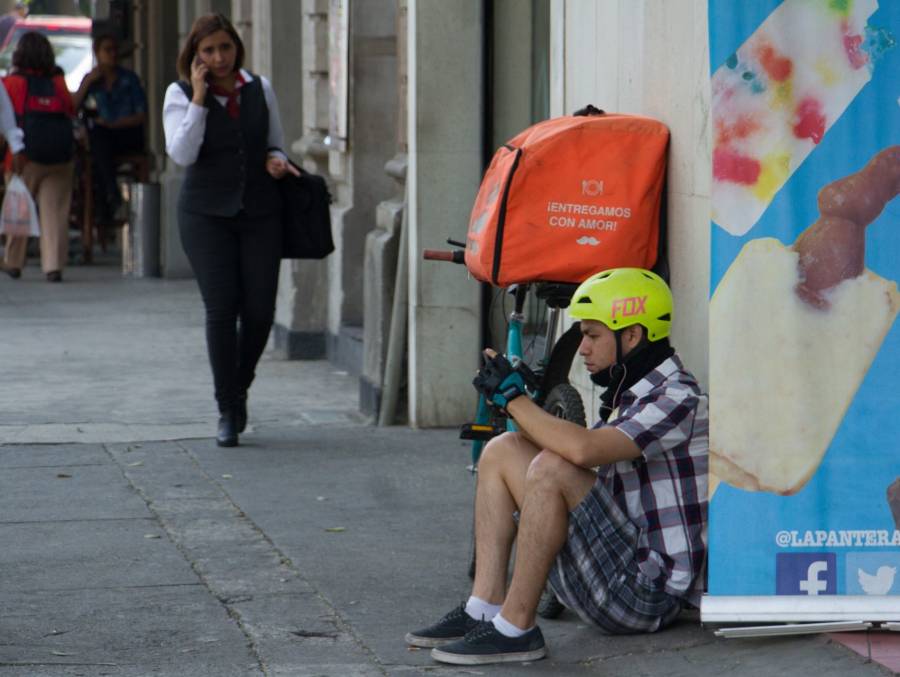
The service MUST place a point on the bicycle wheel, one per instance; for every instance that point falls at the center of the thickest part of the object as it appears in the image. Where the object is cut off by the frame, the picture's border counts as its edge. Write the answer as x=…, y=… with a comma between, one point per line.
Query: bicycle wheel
x=563, y=401
x=548, y=605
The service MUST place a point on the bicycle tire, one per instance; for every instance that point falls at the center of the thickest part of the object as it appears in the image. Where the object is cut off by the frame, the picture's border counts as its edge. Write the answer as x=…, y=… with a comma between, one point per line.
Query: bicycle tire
x=557, y=370
x=548, y=605
x=563, y=401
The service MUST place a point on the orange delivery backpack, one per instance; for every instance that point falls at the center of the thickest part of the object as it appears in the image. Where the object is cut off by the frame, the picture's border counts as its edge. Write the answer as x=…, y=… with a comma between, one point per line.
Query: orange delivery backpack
x=569, y=197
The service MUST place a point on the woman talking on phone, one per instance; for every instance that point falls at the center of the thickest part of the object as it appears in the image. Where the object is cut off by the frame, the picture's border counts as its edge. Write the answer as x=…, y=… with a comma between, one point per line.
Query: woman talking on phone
x=222, y=124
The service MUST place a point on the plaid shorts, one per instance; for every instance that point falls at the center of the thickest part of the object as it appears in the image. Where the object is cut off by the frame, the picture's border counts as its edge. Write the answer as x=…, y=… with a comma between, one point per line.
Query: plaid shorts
x=596, y=575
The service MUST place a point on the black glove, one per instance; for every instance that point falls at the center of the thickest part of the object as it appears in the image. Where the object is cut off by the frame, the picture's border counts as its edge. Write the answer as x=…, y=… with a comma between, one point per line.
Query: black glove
x=499, y=381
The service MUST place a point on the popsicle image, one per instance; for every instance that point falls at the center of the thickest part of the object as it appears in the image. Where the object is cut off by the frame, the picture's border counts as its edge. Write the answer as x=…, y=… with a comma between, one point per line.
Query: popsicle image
x=893, y=498
x=778, y=95
x=793, y=332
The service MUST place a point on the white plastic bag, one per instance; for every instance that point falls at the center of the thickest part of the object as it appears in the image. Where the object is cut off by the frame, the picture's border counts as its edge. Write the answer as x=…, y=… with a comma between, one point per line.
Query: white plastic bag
x=18, y=215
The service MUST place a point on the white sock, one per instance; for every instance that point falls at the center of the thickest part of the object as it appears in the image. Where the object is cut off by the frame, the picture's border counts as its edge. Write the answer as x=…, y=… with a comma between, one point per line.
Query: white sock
x=480, y=610
x=504, y=627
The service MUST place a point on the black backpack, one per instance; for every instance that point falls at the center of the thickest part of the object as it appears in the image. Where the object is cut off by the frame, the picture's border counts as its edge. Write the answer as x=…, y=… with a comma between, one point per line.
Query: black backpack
x=49, y=137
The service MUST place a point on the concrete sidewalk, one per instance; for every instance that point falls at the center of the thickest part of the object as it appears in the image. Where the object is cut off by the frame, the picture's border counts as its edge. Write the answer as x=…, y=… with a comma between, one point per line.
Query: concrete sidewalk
x=134, y=546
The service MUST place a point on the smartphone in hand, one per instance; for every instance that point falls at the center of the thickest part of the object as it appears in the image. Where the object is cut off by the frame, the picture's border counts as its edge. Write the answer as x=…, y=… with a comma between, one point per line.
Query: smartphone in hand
x=199, y=62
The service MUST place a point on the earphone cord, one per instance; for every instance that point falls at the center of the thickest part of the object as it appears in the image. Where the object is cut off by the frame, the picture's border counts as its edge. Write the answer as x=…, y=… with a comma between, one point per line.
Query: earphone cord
x=615, y=399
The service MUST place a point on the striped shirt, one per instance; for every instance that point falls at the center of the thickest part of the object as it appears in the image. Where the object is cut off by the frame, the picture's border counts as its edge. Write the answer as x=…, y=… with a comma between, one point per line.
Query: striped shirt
x=664, y=491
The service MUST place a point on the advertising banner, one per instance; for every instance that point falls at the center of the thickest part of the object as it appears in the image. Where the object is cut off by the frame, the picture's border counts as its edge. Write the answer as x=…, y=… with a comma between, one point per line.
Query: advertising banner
x=804, y=346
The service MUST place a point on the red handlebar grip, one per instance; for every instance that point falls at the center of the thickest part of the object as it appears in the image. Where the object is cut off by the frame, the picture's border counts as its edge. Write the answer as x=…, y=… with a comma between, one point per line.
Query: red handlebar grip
x=437, y=255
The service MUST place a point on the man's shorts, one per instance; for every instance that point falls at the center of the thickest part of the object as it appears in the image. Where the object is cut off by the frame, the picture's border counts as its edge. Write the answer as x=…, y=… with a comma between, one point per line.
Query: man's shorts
x=596, y=575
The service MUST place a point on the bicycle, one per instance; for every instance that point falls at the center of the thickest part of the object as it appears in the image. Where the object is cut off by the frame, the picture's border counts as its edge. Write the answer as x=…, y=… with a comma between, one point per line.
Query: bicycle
x=549, y=385
x=549, y=376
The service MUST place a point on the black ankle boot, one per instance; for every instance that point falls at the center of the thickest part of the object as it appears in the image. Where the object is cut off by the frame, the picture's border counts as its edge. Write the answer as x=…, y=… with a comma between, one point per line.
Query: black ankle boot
x=240, y=412
x=227, y=434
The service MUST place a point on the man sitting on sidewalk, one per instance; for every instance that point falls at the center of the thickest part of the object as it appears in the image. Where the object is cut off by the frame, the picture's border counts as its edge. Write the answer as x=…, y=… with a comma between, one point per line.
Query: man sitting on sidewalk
x=615, y=515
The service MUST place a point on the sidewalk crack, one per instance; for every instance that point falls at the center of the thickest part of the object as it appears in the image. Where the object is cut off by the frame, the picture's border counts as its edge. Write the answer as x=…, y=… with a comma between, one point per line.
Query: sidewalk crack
x=229, y=610
x=339, y=622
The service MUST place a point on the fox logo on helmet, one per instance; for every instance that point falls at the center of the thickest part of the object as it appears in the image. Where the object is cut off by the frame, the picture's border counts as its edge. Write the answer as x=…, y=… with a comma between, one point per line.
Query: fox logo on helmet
x=626, y=307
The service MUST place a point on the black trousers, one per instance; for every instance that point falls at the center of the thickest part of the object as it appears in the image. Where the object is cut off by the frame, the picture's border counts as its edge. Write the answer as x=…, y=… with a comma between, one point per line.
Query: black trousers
x=235, y=260
x=106, y=144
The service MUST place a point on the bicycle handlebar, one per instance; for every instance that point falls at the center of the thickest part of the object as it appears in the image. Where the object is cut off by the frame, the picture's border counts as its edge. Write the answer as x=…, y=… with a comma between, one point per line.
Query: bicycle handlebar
x=452, y=255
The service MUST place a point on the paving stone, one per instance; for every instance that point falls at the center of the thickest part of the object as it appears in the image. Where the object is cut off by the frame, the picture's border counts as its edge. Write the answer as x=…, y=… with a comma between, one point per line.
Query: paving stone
x=92, y=554
x=79, y=492
x=50, y=455
x=170, y=630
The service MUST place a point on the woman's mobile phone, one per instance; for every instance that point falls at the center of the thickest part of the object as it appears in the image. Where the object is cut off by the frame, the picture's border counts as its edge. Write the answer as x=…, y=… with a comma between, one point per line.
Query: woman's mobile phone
x=198, y=61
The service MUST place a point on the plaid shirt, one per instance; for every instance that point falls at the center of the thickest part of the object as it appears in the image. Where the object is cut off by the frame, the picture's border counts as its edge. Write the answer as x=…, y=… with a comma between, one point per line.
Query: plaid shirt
x=664, y=491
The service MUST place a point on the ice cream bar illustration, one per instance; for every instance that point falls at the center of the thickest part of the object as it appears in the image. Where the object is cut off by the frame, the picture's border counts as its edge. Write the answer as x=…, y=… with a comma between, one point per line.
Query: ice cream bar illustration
x=893, y=498
x=793, y=332
x=778, y=95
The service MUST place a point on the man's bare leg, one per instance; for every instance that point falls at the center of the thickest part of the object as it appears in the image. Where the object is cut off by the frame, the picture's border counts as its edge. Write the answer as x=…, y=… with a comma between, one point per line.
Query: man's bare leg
x=553, y=487
x=501, y=489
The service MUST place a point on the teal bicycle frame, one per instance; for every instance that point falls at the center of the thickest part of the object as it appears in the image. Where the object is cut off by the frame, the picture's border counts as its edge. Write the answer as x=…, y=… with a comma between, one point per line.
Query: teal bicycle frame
x=514, y=352
x=483, y=428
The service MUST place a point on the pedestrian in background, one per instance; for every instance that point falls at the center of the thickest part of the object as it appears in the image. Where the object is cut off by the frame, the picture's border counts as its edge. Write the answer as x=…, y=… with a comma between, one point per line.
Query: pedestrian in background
x=44, y=110
x=115, y=119
x=222, y=123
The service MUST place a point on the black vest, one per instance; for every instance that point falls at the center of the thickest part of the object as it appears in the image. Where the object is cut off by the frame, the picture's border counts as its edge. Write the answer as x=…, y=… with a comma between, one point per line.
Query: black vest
x=230, y=171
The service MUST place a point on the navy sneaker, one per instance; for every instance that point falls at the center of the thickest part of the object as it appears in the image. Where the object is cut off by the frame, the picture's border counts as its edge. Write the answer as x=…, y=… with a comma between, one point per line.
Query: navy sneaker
x=450, y=628
x=485, y=644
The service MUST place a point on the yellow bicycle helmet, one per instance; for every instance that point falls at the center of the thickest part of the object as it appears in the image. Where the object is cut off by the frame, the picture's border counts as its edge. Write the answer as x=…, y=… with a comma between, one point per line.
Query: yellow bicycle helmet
x=621, y=297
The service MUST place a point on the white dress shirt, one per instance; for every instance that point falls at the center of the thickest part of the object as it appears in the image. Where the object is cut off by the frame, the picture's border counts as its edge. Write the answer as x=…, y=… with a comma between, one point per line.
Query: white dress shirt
x=184, y=122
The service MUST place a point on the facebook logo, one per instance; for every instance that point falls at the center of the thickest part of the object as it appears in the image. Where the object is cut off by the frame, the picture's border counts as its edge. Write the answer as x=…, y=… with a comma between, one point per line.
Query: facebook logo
x=805, y=573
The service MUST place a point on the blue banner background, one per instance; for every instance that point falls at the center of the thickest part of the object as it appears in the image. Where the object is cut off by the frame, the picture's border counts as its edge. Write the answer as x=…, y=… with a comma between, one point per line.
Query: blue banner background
x=848, y=491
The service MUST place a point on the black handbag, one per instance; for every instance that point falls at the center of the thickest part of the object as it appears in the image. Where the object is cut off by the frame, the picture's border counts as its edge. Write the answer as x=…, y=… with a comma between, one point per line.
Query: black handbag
x=306, y=218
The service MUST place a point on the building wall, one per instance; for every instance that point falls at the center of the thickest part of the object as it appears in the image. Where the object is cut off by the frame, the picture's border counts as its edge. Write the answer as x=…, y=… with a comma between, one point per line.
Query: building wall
x=650, y=57
x=512, y=77
x=445, y=104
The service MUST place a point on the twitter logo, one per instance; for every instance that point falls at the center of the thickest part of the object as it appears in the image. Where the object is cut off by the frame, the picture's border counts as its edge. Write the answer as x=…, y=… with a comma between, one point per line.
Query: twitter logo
x=873, y=573
x=878, y=584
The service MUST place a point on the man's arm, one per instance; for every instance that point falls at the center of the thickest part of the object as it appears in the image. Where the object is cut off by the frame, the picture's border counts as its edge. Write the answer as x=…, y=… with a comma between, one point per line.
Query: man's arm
x=79, y=95
x=581, y=446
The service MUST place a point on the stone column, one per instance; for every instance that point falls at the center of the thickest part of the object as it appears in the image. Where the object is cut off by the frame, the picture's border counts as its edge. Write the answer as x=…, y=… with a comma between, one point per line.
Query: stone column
x=301, y=309
x=445, y=128
x=157, y=43
x=358, y=169
x=173, y=259
x=380, y=268
x=354, y=166
x=242, y=17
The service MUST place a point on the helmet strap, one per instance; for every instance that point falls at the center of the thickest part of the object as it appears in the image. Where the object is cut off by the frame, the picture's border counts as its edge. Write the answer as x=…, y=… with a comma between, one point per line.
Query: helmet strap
x=629, y=369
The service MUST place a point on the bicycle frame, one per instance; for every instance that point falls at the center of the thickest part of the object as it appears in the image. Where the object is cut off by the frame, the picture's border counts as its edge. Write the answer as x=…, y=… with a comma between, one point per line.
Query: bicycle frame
x=514, y=351
x=483, y=428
